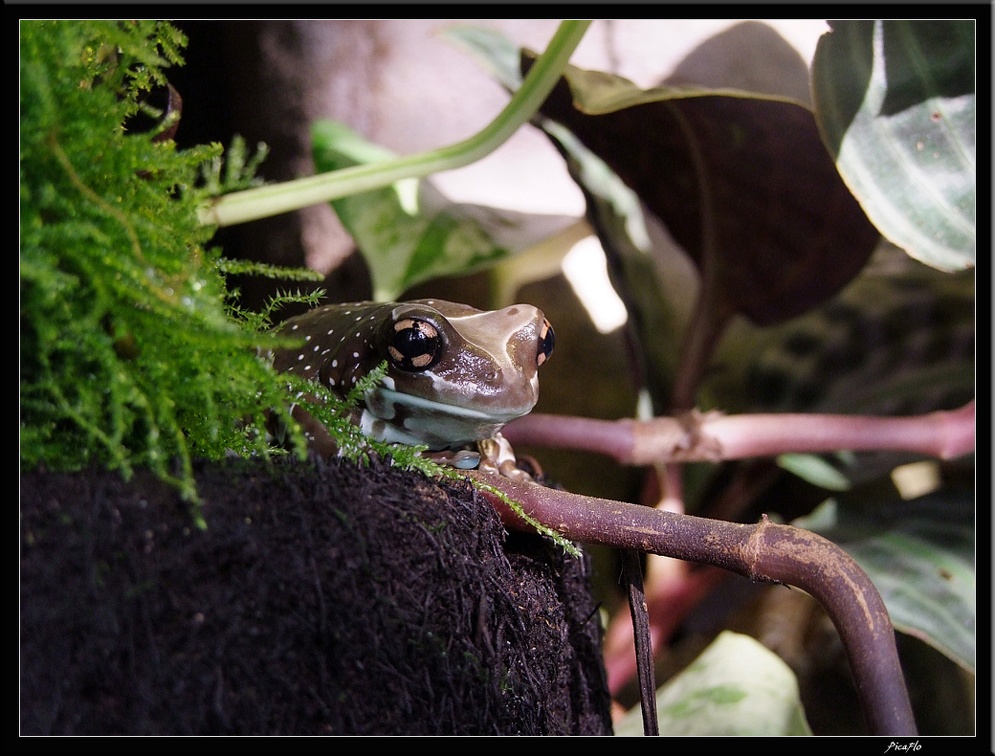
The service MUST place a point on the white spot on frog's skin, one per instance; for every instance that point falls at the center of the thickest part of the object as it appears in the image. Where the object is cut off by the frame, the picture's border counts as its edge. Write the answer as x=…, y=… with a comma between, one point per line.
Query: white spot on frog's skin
x=335, y=363
x=331, y=331
x=300, y=357
x=294, y=327
x=307, y=338
x=355, y=355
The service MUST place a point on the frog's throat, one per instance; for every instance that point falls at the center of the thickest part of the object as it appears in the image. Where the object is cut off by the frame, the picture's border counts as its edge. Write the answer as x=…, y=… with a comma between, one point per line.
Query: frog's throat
x=396, y=417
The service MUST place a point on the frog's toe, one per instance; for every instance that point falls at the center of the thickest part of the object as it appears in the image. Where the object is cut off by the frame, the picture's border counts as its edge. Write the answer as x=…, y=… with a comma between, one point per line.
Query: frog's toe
x=509, y=469
x=497, y=456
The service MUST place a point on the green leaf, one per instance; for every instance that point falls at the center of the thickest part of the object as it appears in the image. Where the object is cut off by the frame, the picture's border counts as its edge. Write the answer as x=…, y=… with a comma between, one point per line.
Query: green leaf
x=815, y=470
x=658, y=290
x=896, y=103
x=920, y=556
x=736, y=687
x=410, y=232
x=742, y=182
x=491, y=49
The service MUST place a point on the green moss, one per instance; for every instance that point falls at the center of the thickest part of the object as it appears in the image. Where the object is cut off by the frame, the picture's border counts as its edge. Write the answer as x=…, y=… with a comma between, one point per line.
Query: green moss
x=130, y=354
x=132, y=350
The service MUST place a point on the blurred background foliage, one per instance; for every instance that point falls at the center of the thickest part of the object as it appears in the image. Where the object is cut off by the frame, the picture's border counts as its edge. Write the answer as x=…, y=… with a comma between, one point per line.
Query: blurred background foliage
x=766, y=254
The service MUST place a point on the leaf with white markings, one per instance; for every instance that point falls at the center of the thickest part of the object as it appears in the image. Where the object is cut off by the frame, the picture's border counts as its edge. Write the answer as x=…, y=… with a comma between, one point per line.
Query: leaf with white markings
x=736, y=687
x=920, y=556
x=896, y=104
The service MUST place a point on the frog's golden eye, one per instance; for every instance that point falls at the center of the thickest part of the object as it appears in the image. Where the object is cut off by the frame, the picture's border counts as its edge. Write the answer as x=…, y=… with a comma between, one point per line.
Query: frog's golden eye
x=547, y=340
x=414, y=344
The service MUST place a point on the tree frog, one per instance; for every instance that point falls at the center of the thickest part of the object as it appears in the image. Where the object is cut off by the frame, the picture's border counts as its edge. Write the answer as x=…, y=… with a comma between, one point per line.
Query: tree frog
x=455, y=375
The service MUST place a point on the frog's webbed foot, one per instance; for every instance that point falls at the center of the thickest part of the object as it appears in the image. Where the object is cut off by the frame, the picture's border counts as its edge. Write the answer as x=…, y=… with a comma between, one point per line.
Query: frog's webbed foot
x=492, y=455
x=497, y=457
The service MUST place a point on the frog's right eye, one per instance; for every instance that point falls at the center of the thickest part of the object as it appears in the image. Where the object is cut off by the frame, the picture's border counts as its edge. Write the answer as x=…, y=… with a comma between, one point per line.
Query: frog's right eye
x=414, y=344
x=547, y=339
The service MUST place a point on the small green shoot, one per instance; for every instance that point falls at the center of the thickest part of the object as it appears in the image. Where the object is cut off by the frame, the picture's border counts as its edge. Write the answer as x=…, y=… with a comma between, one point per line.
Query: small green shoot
x=265, y=201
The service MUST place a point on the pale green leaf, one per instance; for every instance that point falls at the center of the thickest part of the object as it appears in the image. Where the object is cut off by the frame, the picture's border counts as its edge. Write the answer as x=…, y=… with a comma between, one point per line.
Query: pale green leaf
x=920, y=556
x=736, y=687
x=896, y=104
x=409, y=232
x=492, y=50
x=815, y=470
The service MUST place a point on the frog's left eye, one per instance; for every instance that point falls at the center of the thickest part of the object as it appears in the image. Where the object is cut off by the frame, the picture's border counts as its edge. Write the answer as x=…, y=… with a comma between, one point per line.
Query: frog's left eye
x=547, y=339
x=414, y=344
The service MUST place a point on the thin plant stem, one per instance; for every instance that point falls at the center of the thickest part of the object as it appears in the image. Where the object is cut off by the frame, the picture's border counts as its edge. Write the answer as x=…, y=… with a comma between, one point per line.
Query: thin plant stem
x=712, y=436
x=266, y=201
x=642, y=640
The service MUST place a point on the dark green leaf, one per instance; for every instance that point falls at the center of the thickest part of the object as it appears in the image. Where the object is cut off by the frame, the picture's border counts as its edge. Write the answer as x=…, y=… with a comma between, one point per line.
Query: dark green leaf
x=742, y=182
x=899, y=340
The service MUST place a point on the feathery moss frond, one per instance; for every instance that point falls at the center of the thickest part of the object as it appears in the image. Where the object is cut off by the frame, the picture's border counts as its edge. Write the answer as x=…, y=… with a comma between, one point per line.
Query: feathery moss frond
x=131, y=351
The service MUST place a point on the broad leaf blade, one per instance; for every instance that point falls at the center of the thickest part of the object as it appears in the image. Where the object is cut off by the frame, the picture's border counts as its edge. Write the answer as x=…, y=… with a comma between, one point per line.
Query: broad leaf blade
x=742, y=182
x=658, y=290
x=896, y=103
x=409, y=232
x=920, y=556
x=736, y=687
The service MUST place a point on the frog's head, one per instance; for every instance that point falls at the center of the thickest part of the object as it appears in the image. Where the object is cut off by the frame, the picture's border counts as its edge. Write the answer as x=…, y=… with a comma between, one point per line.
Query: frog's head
x=456, y=374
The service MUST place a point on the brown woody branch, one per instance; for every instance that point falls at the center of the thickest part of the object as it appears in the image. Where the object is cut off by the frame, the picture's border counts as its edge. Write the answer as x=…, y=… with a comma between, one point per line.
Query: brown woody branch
x=763, y=552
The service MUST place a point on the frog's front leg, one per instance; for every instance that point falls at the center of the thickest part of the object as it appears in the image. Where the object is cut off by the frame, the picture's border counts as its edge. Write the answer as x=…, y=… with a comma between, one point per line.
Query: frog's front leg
x=462, y=459
x=319, y=440
x=493, y=455
x=497, y=456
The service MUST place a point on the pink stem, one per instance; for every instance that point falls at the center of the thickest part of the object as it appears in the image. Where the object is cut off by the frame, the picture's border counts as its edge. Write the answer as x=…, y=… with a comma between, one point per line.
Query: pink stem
x=713, y=436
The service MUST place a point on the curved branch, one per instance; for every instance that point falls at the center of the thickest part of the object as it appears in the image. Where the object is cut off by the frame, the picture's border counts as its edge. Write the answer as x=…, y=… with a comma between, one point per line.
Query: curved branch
x=764, y=552
x=696, y=437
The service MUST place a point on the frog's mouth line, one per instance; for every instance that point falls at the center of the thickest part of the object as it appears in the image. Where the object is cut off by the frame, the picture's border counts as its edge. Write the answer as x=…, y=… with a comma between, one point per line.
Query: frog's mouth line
x=431, y=407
